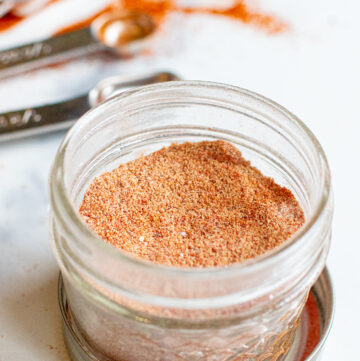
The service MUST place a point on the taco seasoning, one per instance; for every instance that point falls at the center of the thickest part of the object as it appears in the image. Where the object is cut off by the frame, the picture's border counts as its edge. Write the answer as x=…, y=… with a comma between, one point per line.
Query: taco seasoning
x=188, y=252
x=191, y=205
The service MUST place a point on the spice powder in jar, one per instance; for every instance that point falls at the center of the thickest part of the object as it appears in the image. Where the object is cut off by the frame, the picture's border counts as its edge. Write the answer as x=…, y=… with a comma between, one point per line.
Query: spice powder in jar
x=188, y=252
x=191, y=205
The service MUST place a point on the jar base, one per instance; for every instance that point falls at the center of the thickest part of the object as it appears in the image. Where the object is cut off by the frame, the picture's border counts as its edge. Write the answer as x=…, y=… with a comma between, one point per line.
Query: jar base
x=315, y=323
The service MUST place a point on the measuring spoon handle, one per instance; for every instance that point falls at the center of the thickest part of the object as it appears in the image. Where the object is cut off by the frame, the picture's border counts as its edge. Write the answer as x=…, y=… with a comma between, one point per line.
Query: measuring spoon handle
x=58, y=48
x=57, y=116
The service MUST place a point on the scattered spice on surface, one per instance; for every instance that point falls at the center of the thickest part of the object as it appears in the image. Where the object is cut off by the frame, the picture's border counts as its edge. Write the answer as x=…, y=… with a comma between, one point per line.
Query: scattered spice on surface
x=15, y=16
x=82, y=23
x=313, y=337
x=191, y=205
x=9, y=20
x=240, y=10
x=159, y=9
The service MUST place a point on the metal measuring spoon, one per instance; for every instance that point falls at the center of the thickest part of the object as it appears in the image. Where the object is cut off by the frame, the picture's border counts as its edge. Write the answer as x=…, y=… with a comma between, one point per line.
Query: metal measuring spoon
x=122, y=31
x=57, y=116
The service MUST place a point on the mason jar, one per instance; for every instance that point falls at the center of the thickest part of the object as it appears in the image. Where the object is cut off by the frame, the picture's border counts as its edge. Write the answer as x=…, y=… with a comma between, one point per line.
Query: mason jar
x=128, y=309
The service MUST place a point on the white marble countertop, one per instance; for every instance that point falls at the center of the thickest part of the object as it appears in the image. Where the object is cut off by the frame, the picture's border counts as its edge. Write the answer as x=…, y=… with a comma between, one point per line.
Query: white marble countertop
x=313, y=70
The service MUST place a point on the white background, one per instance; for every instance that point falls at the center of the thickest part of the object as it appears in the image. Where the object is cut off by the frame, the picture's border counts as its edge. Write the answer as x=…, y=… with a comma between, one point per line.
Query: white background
x=312, y=69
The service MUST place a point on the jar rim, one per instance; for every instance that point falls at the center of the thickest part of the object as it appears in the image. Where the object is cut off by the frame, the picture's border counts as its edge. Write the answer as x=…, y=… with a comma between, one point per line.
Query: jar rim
x=78, y=226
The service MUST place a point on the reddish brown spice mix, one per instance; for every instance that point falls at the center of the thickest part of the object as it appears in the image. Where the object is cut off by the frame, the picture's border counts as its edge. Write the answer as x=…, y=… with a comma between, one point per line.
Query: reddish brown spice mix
x=313, y=337
x=191, y=205
x=240, y=10
x=83, y=23
x=9, y=20
x=12, y=18
x=160, y=9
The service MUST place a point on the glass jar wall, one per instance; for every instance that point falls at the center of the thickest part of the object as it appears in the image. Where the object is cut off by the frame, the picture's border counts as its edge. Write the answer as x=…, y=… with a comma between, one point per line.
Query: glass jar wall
x=128, y=309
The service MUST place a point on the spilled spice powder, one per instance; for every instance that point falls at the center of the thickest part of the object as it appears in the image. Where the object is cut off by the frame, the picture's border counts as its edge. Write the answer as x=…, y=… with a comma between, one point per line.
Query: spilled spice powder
x=160, y=9
x=14, y=17
x=313, y=337
x=191, y=205
x=9, y=20
x=83, y=23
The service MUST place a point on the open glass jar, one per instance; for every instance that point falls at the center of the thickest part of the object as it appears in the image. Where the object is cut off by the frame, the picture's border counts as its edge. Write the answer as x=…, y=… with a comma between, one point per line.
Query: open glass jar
x=127, y=309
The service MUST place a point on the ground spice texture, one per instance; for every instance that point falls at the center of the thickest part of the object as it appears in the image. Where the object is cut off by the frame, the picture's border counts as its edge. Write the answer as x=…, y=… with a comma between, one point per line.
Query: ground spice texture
x=191, y=205
x=160, y=9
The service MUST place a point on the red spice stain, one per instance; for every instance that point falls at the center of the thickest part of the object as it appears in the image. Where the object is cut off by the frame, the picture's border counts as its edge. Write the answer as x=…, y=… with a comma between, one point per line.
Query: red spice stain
x=314, y=326
x=9, y=20
x=238, y=11
x=241, y=12
x=83, y=23
x=159, y=9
